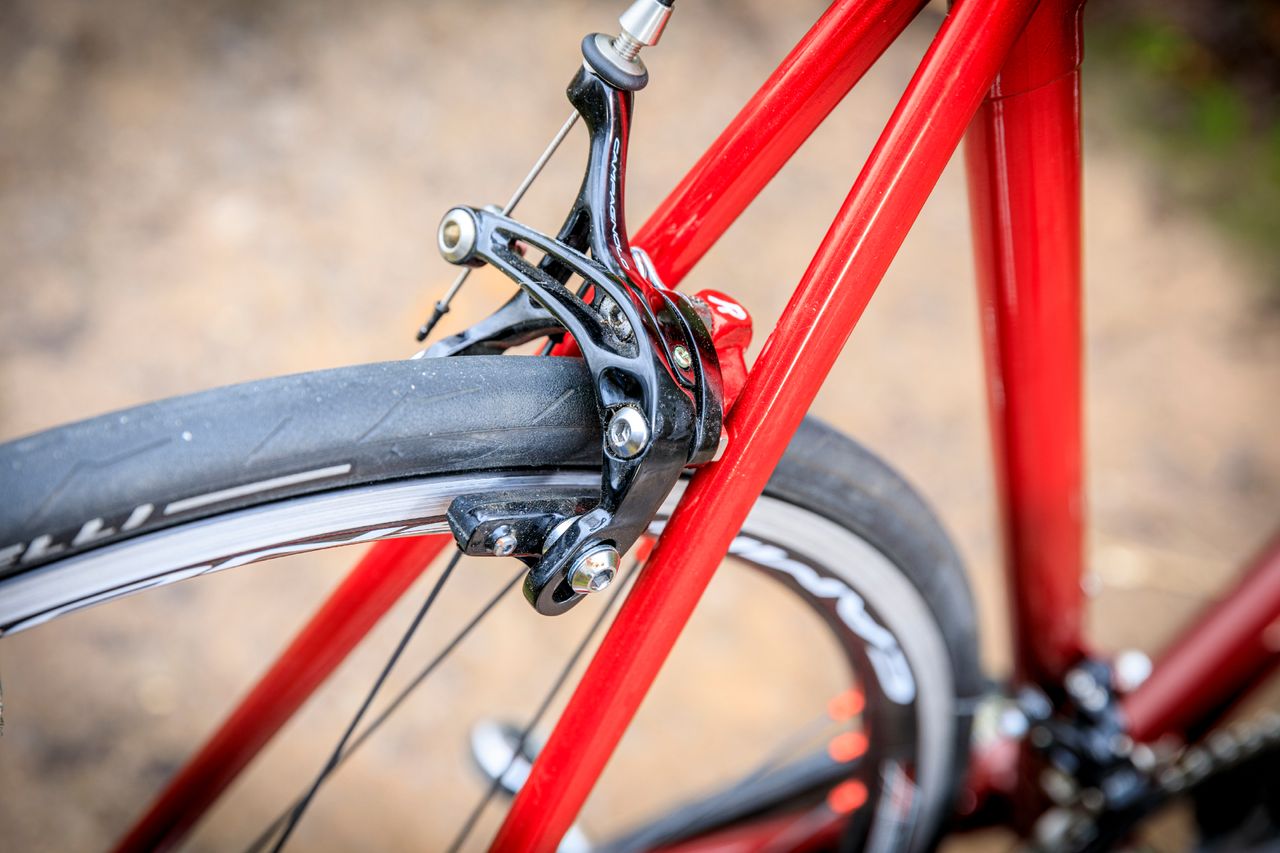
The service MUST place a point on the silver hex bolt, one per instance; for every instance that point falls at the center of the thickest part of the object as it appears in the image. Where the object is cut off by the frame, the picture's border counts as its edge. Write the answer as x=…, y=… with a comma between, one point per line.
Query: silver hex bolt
x=617, y=320
x=456, y=237
x=681, y=357
x=628, y=432
x=594, y=570
x=503, y=541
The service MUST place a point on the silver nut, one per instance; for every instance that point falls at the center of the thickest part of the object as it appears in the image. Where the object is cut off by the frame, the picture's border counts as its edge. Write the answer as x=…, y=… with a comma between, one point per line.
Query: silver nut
x=681, y=357
x=456, y=237
x=504, y=542
x=628, y=432
x=594, y=570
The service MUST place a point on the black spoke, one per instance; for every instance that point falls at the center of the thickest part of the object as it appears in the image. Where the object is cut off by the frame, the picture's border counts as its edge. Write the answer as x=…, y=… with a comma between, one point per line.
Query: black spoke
x=712, y=809
x=556, y=685
x=385, y=714
x=336, y=756
x=787, y=747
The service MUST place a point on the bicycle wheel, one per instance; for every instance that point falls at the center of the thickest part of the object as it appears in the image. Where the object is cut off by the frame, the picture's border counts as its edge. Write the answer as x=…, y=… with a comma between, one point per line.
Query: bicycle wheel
x=131, y=500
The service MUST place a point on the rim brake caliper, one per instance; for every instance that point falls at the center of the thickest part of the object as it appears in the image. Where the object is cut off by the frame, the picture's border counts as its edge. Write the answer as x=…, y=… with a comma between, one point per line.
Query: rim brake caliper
x=654, y=370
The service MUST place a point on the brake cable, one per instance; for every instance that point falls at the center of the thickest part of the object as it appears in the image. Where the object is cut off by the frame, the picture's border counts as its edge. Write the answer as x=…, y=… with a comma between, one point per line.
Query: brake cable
x=442, y=305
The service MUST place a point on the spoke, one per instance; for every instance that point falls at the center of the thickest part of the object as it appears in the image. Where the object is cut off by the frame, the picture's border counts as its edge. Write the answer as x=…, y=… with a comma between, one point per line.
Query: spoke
x=792, y=778
x=555, y=688
x=262, y=840
x=335, y=757
x=787, y=747
x=442, y=306
x=775, y=760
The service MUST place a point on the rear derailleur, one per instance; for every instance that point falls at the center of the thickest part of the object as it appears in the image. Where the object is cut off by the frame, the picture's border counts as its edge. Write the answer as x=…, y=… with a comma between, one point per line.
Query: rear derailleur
x=1100, y=783
x=654, y=368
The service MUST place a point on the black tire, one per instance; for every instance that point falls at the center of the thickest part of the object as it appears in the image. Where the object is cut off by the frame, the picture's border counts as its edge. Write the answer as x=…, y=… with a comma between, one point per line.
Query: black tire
x=381, y=421
x=377, y=436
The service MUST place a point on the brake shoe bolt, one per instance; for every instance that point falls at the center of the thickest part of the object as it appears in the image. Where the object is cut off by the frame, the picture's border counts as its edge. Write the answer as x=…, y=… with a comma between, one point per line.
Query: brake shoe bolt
x=595, y=570
x=628, y=432
x=504, y=542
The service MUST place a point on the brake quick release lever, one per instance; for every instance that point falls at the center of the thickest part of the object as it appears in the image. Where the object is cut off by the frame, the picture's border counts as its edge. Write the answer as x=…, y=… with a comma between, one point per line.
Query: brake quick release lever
x=654, y=370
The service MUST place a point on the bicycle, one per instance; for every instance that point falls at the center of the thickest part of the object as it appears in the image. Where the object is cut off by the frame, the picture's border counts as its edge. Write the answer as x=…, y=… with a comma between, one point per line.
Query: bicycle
x=325, y=488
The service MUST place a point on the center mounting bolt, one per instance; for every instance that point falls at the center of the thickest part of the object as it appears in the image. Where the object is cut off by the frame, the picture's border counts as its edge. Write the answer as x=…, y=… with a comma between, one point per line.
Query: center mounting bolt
x=628, y=432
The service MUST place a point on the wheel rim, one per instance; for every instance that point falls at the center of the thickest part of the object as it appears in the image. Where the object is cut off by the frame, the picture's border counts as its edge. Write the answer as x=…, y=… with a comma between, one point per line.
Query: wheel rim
x=388, y=510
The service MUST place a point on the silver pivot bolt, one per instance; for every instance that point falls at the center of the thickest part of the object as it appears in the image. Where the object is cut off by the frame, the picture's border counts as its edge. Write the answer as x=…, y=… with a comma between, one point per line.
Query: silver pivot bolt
x=628, y=432
x=681, y=357
x=594, y=570
x=457, y=235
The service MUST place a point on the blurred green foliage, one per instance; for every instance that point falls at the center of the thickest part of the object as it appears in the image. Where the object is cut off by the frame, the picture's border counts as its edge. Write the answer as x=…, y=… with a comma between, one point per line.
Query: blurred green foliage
x=1200, y=84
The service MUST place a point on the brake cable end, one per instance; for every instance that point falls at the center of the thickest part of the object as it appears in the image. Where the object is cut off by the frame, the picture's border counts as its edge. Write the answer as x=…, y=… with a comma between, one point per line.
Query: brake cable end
x=440, y=309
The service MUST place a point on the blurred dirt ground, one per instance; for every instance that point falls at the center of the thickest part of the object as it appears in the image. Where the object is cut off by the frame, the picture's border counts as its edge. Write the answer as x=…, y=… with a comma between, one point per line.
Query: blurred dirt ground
x=202, y=193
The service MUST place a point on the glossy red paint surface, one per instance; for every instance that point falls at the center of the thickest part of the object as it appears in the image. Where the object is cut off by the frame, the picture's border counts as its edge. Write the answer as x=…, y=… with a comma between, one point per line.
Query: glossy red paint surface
x=904, y=166
x=1023, y=156
x=1232, y=646
x=1051, y=46
x=731, y=333
x=355, y=606
x=818, y=72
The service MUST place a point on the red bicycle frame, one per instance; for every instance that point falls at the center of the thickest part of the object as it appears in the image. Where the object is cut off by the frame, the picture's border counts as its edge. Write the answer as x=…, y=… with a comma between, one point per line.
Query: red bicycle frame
x=1006, y=72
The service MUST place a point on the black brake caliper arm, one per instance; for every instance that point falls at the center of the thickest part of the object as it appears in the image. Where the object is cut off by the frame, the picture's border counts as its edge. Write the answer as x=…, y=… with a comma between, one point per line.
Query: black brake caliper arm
x=654, y=370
